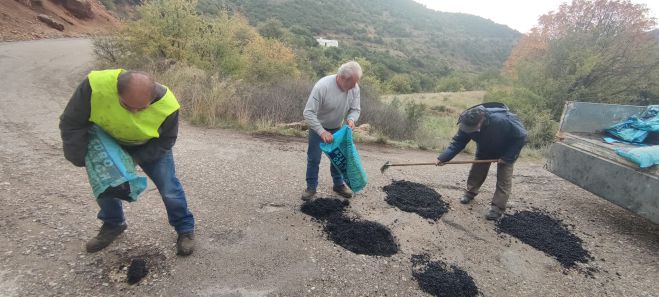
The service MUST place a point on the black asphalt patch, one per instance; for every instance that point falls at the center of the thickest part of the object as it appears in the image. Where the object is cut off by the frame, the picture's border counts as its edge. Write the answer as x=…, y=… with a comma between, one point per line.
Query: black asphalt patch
x=137, y=270
x=416, y=198
x=546, y=234
x=361, y=237
x=358, y=236
x=321, y=208
x=440, y=279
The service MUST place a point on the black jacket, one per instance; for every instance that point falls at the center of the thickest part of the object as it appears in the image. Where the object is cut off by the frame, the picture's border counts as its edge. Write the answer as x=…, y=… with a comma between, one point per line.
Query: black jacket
x=74, y=127
x=502, y=136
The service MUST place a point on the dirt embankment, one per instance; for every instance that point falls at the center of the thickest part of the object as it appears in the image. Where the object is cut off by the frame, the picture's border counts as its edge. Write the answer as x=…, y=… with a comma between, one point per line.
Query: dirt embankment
x=37, y=19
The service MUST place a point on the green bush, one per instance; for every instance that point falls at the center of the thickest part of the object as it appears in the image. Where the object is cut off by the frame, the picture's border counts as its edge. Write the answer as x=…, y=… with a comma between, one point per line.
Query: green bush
x=386, y=119
x=173, y=30
x=109, y=4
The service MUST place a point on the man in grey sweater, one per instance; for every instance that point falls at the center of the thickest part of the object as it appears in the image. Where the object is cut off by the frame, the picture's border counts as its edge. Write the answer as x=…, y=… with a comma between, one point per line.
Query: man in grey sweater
x=333, y=101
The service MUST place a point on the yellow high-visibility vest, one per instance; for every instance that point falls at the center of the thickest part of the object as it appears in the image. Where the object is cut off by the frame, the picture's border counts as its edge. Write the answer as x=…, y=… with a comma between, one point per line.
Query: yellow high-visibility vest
x=129, y=128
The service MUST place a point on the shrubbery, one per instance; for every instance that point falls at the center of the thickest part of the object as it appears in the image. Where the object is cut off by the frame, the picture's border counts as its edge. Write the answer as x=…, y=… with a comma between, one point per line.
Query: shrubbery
x=225, y=73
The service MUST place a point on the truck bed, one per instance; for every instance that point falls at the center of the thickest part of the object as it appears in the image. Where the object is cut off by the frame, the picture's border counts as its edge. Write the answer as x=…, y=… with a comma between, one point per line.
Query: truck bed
x=580, y=156
x=593, y=143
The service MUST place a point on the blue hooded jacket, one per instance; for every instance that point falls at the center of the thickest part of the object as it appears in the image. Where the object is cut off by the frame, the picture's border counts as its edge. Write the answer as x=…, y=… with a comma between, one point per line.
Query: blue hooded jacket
x=501, y=136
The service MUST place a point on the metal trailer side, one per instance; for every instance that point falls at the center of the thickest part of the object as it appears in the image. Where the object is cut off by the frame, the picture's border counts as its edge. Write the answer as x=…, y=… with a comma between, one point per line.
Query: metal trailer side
x=581, y=157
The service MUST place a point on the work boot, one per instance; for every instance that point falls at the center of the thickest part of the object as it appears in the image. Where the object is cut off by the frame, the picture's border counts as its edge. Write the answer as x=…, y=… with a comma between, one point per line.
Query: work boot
x=343, y=191
x=308, y=194
x=494, y=214
x=107, y=234
x=467, y=198
x=185, y=244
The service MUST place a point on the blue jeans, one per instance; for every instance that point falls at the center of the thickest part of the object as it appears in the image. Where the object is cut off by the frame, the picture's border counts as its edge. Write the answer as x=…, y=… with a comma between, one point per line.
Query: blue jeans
x=163, y=174
x=313, y=162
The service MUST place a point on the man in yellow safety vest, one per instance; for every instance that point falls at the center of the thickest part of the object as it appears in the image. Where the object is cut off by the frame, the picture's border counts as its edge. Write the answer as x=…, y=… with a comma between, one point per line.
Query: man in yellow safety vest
x=142, y=116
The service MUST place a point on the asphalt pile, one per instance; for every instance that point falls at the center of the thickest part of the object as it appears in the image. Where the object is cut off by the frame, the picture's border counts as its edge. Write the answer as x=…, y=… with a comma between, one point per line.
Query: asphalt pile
x=416, y=198
x=137, y=270
x=356, y=235
x=322, y=208
x=440, y=279
x=546, y=234
x=361, y=237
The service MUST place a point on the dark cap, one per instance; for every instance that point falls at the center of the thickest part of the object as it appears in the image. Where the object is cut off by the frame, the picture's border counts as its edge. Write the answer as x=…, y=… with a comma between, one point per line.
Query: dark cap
x=470, y=118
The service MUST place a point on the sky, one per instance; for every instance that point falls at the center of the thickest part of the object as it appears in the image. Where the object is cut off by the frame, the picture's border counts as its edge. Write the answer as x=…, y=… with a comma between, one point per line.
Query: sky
x=520, y=15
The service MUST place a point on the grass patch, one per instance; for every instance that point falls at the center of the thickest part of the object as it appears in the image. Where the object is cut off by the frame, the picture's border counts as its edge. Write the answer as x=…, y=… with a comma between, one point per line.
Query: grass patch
x=453, y=101
x=438, y=123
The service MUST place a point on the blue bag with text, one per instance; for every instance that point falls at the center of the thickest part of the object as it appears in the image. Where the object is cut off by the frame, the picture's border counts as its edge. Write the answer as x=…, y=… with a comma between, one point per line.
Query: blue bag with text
x=343, y=155
x=110, y=169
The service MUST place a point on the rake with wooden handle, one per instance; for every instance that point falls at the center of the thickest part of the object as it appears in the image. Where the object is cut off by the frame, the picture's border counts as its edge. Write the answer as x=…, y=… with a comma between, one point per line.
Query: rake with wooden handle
x=388, y=164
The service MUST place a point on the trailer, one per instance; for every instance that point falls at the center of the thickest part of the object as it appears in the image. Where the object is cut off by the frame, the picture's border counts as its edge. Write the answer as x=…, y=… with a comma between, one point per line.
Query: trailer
x=579, y=155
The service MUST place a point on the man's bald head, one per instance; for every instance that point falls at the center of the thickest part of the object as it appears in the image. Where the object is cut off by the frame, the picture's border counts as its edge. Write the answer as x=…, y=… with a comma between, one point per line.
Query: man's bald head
x=136, y=90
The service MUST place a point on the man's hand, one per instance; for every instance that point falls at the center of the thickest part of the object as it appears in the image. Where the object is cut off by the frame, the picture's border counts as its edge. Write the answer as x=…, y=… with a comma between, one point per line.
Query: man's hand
x=326, y=137
x=351, y=124
x=439, y=163
x=502, y=162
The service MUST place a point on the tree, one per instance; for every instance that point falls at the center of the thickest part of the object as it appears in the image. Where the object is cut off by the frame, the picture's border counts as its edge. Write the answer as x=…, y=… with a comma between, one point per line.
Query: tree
x=272, y=28
x=599, y=51
x=269, y=60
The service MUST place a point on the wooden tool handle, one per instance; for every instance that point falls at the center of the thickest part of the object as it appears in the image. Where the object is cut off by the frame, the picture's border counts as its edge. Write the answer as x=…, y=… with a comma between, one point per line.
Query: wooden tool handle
x=471, y=162
x=445, y=163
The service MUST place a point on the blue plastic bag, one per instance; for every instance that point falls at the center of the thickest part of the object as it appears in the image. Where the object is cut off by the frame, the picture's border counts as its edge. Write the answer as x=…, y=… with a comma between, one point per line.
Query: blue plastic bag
x=643, y=156
x=343, y=155
x=109, y=166
x=636, y=128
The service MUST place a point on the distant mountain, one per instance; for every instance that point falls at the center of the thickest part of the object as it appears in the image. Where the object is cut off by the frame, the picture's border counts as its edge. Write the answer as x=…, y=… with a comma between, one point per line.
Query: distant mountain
x=401, y=36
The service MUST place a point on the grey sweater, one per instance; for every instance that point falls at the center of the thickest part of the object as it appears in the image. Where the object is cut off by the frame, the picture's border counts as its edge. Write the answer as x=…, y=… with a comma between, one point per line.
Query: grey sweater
x=328, y=106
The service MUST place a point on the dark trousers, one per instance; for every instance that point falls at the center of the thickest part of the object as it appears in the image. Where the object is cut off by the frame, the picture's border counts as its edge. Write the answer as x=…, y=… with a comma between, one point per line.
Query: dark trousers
x=477, y=176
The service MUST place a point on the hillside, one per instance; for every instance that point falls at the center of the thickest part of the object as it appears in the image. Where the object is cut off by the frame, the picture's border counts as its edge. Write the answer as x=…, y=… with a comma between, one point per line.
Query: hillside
x=18, y=18
x=405, y=36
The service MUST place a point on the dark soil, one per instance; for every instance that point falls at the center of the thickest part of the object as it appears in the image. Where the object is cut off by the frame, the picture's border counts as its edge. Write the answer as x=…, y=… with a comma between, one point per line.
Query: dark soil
x=357, y=236
x=416, y=198
x=361, y=237
x=439, y=279
x=137, y=270
x=322, y=208
x=546, y=234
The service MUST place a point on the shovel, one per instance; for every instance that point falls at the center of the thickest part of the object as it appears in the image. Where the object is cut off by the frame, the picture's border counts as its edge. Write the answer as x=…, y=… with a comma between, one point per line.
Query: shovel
x=388, y=164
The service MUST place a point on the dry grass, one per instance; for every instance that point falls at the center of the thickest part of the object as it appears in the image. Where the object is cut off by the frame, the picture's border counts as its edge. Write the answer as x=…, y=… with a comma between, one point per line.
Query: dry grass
x=205, y=99
x=452, y=100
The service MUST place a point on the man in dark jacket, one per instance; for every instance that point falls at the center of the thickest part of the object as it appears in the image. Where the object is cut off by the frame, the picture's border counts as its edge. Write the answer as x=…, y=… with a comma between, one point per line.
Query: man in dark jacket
x=142, y=116
x=499, y=134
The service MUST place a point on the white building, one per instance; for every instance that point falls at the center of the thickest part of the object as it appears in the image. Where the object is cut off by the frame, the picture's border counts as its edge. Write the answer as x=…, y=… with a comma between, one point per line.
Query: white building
x=327, y=42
